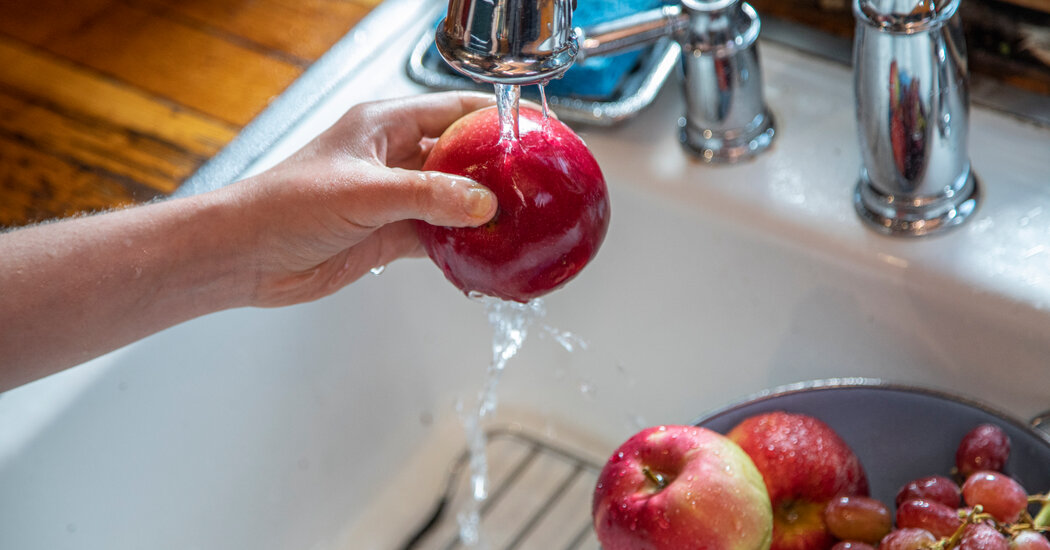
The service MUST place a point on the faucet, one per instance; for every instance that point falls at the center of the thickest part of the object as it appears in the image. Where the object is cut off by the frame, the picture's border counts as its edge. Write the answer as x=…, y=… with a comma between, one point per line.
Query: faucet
x=508, y=41
x=532, y=41
x=912, y=98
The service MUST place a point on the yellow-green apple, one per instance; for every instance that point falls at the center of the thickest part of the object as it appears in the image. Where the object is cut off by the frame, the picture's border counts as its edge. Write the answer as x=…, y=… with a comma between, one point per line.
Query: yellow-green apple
x=681, y=488
x=553, y=206
x=805, y=464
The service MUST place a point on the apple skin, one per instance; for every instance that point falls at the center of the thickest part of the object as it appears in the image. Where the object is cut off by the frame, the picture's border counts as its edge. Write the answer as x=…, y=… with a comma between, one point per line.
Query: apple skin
x=805, y=464
x=553, y=206
x=711, y=496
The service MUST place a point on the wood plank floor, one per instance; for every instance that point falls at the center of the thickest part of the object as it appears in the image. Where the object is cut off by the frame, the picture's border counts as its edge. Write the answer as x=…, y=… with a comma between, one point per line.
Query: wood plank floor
x=109, y=102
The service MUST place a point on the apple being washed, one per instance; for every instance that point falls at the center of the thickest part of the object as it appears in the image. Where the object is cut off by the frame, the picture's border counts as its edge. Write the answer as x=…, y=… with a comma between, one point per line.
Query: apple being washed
x=553, y=206
x=681, y=487
x=805, y=465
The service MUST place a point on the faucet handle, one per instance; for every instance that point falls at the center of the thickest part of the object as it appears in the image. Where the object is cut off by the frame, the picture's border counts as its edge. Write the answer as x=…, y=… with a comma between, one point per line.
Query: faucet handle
x=912, y=99
x=726, y=116
x=509, y=41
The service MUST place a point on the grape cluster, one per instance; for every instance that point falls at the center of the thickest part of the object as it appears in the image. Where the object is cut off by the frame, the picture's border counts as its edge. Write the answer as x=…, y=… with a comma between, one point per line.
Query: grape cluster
x=978, y=508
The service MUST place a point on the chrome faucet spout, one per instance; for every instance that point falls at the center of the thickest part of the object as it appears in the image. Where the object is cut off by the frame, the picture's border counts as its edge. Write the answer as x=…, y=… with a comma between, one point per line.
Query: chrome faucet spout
x=532, y=41
x=508, y=41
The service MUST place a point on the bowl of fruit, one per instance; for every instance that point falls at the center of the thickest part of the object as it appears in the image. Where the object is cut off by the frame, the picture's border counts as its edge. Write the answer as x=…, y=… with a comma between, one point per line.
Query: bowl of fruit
x=849, y=464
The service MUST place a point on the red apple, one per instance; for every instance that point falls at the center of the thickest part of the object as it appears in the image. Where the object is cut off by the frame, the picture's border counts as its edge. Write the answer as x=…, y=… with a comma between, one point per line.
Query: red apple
x=805, y=465
x=681, y=487
x=553, y=206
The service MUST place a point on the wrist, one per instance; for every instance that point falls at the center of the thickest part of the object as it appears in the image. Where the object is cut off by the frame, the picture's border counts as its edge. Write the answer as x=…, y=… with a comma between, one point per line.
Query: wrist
x=209, y=257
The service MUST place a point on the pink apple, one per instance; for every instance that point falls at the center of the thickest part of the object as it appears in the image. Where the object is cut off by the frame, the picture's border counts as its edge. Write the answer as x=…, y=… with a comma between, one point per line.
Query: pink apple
x=553, y=206
x=805, y=465
x=681, y=488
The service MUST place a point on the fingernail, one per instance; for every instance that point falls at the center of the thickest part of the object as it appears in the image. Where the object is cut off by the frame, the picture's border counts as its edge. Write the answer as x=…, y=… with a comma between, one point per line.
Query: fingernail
x=479, y=202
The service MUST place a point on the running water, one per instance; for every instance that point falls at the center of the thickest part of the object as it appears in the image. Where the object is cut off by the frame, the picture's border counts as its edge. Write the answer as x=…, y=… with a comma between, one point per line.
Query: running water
x=543, y=101
x=510, y=323
x=507, y=97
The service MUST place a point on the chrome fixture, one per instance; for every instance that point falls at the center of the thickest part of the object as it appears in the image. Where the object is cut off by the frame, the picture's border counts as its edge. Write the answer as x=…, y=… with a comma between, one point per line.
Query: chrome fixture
x=508, y=41
x=912, y=97
x=726, y=118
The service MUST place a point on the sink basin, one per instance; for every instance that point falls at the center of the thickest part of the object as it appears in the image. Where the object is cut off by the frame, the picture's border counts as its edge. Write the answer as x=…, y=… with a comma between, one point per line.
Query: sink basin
x=333, y=424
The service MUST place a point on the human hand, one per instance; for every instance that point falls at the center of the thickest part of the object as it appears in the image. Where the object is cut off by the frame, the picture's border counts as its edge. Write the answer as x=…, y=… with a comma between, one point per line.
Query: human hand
x=341, y=205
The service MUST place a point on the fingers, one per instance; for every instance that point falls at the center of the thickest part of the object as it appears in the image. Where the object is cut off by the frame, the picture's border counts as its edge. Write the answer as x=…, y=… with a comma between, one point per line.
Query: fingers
x=389, y=132
x=440, y=199
x=427, y=115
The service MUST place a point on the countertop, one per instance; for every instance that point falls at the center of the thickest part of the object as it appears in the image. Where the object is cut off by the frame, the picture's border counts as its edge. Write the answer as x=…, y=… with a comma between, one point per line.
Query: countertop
x=106, y=103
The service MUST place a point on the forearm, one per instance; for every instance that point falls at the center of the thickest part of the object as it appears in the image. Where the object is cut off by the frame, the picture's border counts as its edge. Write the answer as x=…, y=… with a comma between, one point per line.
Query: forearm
x=317, y=221
x=76, y=289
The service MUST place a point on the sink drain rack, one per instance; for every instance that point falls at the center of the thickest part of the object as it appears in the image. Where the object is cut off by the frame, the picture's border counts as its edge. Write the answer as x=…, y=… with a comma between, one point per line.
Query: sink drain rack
x=539, y=498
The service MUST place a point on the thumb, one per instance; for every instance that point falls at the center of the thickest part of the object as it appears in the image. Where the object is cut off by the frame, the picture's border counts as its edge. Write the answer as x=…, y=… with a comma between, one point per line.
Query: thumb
x=434, y=197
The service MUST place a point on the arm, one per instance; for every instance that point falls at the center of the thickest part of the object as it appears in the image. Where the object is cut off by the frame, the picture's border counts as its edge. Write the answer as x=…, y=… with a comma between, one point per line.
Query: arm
x=75, y=289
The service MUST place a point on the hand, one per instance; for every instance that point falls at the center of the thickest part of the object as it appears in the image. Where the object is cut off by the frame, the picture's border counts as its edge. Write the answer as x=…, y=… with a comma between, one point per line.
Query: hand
x=81, y=287
x=340, y=206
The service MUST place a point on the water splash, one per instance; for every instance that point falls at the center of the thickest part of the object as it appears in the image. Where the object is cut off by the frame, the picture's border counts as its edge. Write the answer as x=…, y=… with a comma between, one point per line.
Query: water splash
x=569, y=341
x=510, y=322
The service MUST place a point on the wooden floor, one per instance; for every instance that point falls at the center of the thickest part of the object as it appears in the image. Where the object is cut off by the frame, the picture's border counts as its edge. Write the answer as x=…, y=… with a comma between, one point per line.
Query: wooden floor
x=110, y=102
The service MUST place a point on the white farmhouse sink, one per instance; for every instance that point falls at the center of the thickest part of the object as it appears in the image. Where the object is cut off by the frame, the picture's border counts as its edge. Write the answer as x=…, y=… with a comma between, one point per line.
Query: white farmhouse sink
x=333, y=425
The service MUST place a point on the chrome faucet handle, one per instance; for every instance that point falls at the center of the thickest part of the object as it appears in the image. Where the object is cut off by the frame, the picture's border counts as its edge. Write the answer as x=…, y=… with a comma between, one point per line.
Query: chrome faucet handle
x=912, y=96
x=726, y=116
x=508, y=41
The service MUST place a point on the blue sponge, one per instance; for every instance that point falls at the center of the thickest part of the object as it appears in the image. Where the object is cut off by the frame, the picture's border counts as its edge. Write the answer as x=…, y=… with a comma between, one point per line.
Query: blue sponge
x=598, y=77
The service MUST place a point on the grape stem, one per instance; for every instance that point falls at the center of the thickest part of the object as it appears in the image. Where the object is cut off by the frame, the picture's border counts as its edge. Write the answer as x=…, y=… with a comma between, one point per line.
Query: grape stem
x=973, y=516
x=1042, y=519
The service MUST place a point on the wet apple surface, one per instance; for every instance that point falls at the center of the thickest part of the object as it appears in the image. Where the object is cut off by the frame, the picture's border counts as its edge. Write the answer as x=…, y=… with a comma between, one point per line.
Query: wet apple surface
x=553, y=206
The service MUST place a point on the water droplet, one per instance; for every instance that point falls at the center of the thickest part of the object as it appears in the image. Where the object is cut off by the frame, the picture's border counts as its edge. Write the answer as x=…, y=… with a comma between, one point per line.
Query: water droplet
x=567, y=340
x=378, y=269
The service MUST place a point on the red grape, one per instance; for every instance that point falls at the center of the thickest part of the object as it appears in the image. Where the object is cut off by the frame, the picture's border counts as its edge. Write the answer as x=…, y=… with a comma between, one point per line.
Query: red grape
x=930, y=515
x=1029, y=540
x=981, y=536
x=857, y=518
x=907, y=538
x=937, y=488
x=999, y=494
x=985, y=447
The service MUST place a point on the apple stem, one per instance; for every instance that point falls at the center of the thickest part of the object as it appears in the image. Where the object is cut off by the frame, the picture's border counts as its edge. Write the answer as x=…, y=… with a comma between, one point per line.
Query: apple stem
x=656, y=477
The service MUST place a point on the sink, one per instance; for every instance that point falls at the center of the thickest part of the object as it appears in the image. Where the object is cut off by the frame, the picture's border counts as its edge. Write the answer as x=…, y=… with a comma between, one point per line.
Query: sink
x=333, y=424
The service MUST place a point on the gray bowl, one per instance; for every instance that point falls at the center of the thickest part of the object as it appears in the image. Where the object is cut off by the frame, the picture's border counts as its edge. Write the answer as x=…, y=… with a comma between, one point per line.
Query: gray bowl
x=899, y=432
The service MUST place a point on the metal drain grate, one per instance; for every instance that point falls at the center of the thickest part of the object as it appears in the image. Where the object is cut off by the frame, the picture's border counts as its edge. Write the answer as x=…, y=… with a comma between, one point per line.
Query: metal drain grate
x=540, y=498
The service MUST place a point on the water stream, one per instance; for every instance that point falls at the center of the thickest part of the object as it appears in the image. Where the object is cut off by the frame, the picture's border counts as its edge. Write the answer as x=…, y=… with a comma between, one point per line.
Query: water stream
x=510, y=322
